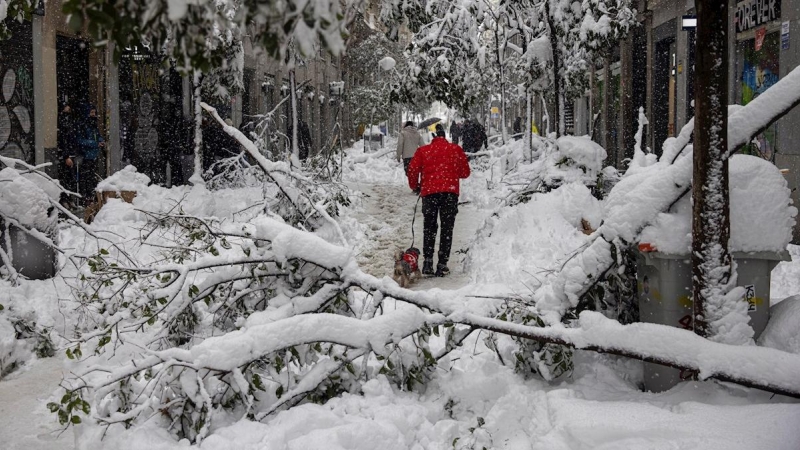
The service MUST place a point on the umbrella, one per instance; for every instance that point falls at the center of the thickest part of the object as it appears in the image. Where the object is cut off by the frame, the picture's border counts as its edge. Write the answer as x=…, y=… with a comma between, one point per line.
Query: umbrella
x=428, y=122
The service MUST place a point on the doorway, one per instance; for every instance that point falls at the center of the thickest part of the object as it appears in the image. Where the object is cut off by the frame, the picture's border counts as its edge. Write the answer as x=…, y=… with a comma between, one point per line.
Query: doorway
x=663, y=119
x=72, y=72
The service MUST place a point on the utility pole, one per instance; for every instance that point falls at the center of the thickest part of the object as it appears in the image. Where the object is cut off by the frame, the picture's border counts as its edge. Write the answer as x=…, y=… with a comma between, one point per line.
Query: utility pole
x=711, y=260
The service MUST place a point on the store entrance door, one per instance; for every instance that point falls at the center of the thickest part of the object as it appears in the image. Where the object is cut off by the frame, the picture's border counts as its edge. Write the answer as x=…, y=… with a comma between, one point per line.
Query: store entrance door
x=72, y=73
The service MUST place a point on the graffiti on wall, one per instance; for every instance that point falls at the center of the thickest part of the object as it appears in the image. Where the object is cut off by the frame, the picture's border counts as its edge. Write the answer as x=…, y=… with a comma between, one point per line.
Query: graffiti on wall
x=759, y=73
x=146, y=135
x=16, y=96
x=140, y=94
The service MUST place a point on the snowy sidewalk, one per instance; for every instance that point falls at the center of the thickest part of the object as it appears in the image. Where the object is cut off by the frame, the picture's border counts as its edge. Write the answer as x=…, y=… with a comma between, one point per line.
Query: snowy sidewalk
x=387, y=212
x=25, y=422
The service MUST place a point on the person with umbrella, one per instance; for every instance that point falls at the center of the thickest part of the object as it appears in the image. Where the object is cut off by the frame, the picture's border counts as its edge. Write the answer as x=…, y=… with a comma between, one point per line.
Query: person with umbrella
x=434, y=173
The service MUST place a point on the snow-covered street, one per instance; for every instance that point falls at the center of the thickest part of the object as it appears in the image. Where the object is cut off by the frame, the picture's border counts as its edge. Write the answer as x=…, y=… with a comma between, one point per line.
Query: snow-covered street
x=211, y=225
x=25, y=422
x=387, y=213
x=475, y=397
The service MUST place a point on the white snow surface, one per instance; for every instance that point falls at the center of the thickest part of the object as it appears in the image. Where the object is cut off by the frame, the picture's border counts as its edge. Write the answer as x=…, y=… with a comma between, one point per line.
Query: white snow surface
x=387, y=63
x=785, y=281
x=526, y=243
x=575, y=159
x=24, y=201
x=599, y=406
x=761, y=214
x=127, y=179
x=783, y=329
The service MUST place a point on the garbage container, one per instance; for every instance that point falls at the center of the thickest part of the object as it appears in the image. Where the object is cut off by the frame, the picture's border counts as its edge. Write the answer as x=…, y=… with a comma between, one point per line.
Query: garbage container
x=374, y=141
x=30, y=256
x=664, y=287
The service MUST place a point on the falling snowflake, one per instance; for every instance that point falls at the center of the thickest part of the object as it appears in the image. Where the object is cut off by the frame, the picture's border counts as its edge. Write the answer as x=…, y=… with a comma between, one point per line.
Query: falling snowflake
x=12, y=149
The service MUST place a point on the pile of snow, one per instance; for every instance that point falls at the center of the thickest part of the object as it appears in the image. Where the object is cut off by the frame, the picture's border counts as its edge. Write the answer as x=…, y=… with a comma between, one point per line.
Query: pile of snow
x=13, y=352
x=373, y=167
x=35, y=307
x=24, y=201
x=785, y=278
x=575, y=158
x=387, y=63
x=783, y=329
x=476, y=402
x=192, y=200
x=373, y=131
x=599, y=405
x=127, y=179
x=762, y=217
x=522, y=244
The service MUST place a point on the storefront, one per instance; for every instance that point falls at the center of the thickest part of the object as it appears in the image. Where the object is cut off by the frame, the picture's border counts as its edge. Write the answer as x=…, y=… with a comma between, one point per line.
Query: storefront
x=758, y=55
x=152, y=132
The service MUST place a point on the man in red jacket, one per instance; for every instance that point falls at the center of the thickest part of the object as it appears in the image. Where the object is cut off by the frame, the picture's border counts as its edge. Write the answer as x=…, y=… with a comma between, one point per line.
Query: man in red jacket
x=434, y=172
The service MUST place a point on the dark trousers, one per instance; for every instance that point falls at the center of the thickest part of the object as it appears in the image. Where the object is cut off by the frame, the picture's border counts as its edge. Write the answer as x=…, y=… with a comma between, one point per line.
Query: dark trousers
x=406, y=162
x=67, y=175
x=444, y=207
x=87, y=180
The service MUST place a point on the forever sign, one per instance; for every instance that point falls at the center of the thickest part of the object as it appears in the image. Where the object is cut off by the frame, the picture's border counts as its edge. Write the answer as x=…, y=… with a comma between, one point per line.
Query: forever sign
x=754, y=13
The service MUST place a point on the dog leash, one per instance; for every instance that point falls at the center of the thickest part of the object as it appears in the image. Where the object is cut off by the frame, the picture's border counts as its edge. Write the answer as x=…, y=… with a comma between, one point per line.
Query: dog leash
x=414, y=218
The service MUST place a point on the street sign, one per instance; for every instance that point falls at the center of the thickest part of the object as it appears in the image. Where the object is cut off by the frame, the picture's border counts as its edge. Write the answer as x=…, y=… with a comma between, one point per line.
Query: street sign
x=785, y=35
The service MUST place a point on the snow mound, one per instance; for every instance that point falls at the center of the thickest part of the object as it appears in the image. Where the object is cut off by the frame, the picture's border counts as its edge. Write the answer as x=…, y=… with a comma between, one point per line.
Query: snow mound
x=785, y=279
x=523, y=242
x=578, y=158
x=783, y=329
x=127, y=179
x=24, y=201
x=13, y=352
x=373, y=167
x=761, y=213
x=387, y=63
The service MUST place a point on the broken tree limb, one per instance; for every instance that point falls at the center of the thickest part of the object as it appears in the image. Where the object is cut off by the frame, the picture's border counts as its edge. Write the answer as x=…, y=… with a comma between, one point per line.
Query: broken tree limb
x=674, y=181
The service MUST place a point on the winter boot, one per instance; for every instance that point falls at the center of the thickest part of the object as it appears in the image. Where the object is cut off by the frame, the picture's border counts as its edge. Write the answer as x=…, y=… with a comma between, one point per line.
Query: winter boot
x=442, y=270
x=427, y=267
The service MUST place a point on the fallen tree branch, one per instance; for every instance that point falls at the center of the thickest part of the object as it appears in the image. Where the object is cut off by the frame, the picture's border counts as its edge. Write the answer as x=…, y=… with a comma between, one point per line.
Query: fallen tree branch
x=663, y=191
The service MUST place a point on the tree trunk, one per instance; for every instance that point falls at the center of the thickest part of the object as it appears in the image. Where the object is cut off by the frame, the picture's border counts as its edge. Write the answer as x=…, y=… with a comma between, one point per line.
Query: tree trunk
x=197, y=176
x=500, y=50
x=528, y=130
x=557, y=102
x=627, y=110
x=295, y=147
x=712, y=270
x=605, y=109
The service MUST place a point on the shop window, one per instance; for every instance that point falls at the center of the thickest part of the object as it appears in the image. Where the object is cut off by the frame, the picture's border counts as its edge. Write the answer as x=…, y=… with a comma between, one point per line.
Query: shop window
x=759, y=70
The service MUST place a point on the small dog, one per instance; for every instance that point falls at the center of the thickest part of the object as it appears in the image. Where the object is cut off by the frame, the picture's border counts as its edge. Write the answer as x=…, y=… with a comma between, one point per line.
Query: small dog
x=406, y=267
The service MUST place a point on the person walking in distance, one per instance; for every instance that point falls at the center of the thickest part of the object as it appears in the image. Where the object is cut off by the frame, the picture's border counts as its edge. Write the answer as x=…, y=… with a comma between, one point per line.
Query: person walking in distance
x=455, y=132
x=474, y=136
x=435, y=172
x=517, y=129
x=90, y=142
x=407, y=144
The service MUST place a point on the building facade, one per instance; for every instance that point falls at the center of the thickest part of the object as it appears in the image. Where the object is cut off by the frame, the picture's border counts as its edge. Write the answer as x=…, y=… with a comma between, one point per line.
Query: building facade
x=654, y=69
x=145, y=107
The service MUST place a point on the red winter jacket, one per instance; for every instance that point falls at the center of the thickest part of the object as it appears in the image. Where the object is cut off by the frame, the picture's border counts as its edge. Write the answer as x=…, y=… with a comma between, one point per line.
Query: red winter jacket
x=441, y=164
